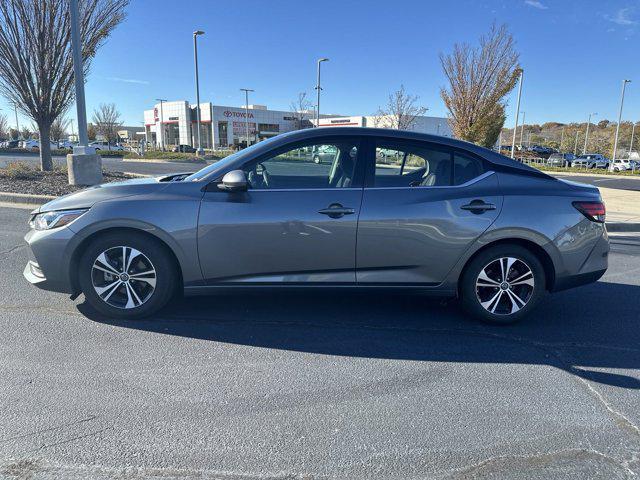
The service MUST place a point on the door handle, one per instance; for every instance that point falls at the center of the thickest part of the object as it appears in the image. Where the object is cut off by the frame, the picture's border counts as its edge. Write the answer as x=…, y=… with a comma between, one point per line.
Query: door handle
x=335, y=210
x=478, y=206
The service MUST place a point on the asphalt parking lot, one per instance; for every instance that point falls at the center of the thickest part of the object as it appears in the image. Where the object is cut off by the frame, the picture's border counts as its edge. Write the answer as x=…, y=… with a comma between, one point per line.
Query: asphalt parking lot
x=319, y=385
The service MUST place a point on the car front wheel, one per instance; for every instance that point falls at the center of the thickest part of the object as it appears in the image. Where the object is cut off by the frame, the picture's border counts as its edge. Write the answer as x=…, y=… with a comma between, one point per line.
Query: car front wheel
x=316, y=159
x=502, y=284
x=127, y=276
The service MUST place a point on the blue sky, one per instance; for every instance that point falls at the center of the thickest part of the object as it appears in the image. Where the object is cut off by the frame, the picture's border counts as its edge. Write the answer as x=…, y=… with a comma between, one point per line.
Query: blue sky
x=575, y=53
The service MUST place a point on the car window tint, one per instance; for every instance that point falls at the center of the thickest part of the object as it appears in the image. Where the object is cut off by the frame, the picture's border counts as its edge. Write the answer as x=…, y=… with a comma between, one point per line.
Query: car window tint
x=314, y=165
x=409, y=165
x=465, y=168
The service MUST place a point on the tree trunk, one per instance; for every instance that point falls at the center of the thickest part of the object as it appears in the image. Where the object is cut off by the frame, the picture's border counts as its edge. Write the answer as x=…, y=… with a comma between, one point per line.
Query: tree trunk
x=46, y=162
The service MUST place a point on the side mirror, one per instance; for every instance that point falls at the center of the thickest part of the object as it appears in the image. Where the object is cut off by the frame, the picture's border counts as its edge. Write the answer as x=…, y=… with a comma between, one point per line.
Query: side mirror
x=234, y=181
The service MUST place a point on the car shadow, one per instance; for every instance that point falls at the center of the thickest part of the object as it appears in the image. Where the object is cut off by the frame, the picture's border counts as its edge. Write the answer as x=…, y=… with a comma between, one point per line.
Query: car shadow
x=581, y=331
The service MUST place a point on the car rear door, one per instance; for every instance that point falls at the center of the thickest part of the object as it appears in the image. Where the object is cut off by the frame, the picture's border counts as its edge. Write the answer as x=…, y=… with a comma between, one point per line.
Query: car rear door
x=421, y=211
x=297, y=222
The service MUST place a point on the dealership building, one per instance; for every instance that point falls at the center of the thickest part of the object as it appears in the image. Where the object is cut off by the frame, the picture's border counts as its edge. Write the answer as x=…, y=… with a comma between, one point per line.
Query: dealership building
x=174, y=123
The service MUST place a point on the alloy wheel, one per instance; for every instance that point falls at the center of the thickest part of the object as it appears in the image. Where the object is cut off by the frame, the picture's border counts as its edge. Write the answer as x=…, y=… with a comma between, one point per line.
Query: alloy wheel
x=123, y=277
x=505, y=285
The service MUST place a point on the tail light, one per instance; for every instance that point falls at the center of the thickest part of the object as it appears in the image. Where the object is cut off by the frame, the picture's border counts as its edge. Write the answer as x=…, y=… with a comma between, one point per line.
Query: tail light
x=594, y=211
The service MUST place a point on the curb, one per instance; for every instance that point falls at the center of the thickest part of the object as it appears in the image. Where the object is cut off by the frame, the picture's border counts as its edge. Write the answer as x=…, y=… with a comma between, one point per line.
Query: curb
x=163, y=160
x=25, y=198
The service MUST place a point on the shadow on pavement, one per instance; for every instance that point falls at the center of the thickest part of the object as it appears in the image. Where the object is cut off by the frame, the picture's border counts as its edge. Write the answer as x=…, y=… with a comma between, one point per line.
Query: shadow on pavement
x=580, y=331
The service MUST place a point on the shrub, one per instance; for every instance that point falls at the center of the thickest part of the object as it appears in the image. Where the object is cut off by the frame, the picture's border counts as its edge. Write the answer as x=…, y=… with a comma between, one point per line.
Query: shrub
x=19, y=171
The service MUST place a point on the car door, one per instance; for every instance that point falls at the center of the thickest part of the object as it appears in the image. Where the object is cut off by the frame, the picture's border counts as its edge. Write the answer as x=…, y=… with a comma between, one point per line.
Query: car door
x=421, y=210
x=296, y=223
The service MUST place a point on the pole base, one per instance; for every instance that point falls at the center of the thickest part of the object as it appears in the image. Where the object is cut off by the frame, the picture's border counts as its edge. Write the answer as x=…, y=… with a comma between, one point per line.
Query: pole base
x=84, y=169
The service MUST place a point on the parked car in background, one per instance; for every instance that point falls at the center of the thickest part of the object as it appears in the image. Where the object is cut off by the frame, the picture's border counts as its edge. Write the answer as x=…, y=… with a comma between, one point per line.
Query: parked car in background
x=184, y=149
x=591, y=160
x=446, y=218
x=106, y=146
x=620, y=165
x=11, y=144
x=35, y=145
x=560, y=159
x=66, y=144
x=324, y=154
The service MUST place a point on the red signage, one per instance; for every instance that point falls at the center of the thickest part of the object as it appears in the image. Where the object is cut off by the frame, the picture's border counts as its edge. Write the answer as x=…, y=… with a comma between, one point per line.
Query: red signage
x=155, y=114
x=230, y=113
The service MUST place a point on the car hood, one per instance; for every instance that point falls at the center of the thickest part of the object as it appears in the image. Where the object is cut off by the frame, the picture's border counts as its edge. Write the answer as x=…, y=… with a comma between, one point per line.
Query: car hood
x=106, y=191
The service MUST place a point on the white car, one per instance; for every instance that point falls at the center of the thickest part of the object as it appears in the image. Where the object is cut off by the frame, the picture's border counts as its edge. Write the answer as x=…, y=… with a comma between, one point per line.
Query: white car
x=35, y=145
x=106, y=146
x=620, y=165
x=66, y=144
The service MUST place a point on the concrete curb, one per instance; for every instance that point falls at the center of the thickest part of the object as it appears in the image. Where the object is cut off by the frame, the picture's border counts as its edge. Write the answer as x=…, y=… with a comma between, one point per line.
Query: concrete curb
x=164, y=160
x=25, y=198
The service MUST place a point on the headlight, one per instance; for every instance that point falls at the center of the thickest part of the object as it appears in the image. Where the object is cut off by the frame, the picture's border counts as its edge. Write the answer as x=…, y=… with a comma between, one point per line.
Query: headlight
x=55, y=219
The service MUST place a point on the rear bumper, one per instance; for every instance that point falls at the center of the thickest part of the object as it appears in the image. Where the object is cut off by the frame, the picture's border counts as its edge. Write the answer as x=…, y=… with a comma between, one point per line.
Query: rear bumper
x=591, y=270
x=572, y=281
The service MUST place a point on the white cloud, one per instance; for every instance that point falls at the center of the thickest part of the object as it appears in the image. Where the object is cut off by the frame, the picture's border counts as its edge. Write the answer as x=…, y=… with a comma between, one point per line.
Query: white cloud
x=536, y=4
x=622, y=17
x=128, y=80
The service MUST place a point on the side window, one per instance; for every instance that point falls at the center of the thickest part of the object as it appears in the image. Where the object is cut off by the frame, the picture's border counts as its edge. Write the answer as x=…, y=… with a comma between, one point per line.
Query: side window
x=400, y=164
x=321, y=164
x=465, y=168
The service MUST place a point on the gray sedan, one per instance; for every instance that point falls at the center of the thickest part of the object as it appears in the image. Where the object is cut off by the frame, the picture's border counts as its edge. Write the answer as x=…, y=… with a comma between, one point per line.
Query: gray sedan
x=440, y=216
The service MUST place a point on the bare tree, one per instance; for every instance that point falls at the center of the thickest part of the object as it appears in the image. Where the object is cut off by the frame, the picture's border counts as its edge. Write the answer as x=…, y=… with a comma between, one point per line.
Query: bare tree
x=300, y=110
x=91, y=131
x=107, y=121
x=479, y=79
x=36, y=64
x=4, y=126
x=59, y=128
x=401, y=111
x=25, y=133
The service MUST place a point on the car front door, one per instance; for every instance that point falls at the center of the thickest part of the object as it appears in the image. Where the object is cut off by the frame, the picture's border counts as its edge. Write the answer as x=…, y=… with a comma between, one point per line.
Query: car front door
x=296, y=223
x=421, y=209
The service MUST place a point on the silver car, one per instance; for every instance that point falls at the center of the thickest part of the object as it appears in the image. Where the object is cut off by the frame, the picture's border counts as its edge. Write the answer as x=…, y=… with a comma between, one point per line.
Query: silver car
x=442, y=217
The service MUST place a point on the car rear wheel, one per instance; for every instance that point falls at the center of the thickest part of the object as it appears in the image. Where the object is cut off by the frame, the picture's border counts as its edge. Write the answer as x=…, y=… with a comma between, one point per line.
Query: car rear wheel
x=127, y=276
x=502, y=284
x=316, y=159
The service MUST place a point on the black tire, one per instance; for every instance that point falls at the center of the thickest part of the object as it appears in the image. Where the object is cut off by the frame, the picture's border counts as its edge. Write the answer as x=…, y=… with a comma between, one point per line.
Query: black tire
x=472, y=303
x=316, y=159
x=160, y=258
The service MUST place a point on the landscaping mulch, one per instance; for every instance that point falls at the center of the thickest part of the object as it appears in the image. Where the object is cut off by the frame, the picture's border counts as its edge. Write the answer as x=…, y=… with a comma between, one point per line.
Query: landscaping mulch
x=54, y=183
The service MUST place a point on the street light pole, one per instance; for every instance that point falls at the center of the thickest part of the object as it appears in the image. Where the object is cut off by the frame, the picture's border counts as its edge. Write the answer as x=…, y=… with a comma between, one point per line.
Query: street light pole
x=200, y=151
x=318, y=88
x=246, y=109
x=633, y=131
x=15, y=109
x=161, y=100
x=615, y=142
x=561, y=140
x=575, y=147
x=586, y=135
x=78, y=74
x=522, y=128
x=515, y=128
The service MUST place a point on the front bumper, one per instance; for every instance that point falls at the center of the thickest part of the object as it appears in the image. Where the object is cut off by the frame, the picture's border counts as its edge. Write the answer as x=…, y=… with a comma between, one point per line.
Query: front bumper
x=48, y=267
